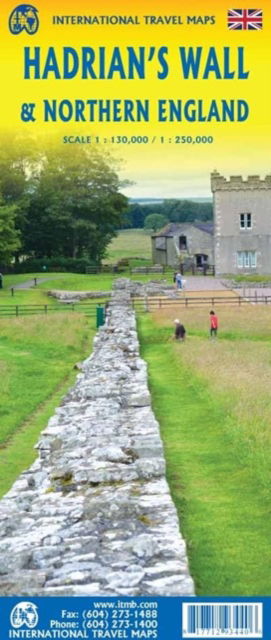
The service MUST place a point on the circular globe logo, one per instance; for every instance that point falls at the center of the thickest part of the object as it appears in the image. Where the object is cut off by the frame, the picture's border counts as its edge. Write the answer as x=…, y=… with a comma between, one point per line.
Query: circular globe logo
x=24, y=613
x=24, y=18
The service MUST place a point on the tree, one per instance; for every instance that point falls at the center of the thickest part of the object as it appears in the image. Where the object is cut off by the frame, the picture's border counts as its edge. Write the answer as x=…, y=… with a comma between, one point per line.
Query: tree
x=9, y=237
x=187, y=210
x=155, y=221
x=76, y=205
x=67, y=202
x=137, y=216
x=19, y=164
x=174, y=211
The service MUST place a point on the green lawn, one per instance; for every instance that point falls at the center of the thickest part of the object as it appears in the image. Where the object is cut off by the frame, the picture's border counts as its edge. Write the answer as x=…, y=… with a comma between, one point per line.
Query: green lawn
x=54, y=280
x=250, y=278
x=97, y=282
x=130, y=243
x=26, y=296
x=217, y=438
x=65, y=281
x=79, y=282
x=17, y=278
x=37, y=356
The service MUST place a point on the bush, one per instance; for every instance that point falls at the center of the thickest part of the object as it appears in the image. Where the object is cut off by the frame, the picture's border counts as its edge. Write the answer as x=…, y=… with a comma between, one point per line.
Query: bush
x=36, y=265
x=123, y=262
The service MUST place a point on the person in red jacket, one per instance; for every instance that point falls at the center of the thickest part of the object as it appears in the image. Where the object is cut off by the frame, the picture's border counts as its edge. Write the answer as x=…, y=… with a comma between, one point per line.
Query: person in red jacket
x=213, y=324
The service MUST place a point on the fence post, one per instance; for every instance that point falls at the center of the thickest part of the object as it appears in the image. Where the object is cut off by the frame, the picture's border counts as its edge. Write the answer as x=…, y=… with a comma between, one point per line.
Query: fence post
x=160, y=303
x=17, y=310
x=186, y=302
x=45, y=308
x=146, y=305
x=213, y=302
x=265, y=297
x=35, y=282
x=12, y=291
x=239, y=300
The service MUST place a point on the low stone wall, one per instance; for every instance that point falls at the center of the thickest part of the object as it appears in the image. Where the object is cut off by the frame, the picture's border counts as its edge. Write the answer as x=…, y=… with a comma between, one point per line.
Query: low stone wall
x=75, y=296
x=137, y=289
x=93, y=515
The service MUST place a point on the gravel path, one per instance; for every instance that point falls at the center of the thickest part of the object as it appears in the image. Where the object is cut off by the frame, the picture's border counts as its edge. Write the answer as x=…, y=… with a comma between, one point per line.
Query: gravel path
x=29, y=284
x=204, y=283
x=193, y=283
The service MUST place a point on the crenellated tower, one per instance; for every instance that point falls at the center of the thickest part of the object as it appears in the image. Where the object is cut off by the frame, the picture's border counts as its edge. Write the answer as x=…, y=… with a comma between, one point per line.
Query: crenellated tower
x=242, y=224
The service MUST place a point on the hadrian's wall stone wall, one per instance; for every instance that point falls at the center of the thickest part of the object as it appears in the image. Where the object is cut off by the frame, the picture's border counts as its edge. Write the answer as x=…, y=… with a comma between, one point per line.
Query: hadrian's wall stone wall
x=93, y=515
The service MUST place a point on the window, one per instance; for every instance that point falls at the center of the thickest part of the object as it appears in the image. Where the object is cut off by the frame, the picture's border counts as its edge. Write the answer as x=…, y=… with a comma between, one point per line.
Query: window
x=245, y=221
x=182, y=243
x=246, y=259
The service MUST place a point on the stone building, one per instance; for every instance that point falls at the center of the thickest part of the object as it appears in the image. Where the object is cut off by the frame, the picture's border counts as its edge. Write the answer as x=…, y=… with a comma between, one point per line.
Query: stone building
x=242, y=217
x=187, y=243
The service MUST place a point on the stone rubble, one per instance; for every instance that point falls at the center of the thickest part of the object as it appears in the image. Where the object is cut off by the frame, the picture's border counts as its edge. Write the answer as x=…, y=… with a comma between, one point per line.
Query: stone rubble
x=136, y=289
x=70, y=297
x=93, y=514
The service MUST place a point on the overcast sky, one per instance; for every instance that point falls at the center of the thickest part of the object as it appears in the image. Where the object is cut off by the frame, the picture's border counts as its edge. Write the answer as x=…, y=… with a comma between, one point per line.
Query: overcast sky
x=155, y=184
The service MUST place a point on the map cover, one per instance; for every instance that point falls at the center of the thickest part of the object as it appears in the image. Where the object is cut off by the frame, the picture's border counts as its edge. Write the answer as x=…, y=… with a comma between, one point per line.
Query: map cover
x=169, y=106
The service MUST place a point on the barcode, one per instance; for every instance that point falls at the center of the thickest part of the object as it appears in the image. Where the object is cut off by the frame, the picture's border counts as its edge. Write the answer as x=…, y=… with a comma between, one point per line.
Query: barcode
x=212, y=620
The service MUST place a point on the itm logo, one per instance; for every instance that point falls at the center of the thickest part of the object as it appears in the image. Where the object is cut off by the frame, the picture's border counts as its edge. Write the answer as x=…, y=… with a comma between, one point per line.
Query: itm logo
x=24, y=613
x=24, y=18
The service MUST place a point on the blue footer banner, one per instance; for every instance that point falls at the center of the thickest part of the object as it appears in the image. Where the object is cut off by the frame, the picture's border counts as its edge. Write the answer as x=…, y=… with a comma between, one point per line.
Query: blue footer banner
x=146, y=618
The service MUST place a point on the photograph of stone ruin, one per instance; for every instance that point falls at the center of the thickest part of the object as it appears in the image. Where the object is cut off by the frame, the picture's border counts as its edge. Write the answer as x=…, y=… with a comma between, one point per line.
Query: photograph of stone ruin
x=93, y=515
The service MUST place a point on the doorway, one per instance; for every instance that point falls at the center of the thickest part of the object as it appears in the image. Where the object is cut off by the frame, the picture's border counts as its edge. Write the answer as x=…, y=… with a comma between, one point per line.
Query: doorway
x=201, y=260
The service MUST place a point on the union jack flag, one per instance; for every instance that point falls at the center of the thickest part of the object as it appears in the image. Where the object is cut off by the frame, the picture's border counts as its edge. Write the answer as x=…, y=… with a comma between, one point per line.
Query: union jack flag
x=245, y=19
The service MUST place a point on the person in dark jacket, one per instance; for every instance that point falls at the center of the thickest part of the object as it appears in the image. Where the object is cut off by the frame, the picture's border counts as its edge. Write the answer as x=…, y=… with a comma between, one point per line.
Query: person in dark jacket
x=179, y=331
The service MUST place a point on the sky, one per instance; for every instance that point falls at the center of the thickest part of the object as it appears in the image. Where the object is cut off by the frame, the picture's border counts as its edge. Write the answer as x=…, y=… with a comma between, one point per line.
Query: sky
x=164, y=166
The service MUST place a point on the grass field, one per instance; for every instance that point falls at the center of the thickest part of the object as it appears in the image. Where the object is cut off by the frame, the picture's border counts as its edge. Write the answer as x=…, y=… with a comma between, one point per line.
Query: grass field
x=64, y=281
x=251, y=278
x=36, y=367
x=213, y=401
x=26, y=296
x=130, y=243
x=54, y=280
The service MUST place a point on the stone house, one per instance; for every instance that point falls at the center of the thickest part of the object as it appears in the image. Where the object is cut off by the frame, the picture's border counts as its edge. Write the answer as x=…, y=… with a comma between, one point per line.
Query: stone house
x=242, y=219
x=186, y=243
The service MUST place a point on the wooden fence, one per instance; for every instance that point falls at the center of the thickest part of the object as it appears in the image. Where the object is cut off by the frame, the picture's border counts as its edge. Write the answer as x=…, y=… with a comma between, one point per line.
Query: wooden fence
x=207, y=270
x=20, y=310
x=126, y=269
x=139, y=304
x=154, y=303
